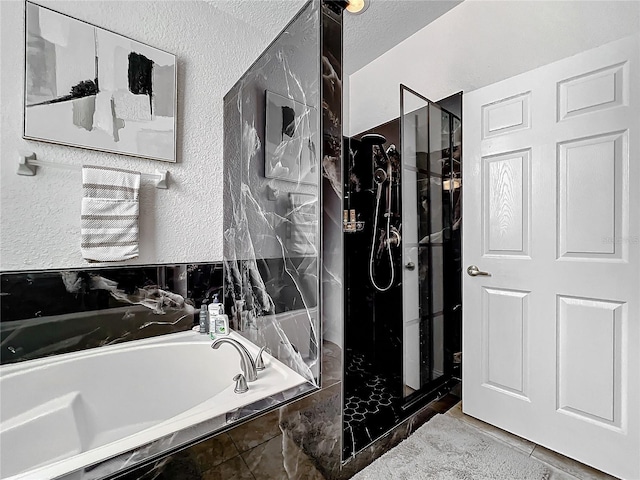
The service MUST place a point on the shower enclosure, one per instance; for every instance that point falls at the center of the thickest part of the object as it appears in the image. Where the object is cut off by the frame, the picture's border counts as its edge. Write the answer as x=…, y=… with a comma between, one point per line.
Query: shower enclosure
x=402, y=266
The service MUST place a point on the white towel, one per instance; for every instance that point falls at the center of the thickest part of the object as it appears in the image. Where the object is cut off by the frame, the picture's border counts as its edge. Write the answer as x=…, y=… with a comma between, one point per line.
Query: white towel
x=109, y=214
x=303, y=224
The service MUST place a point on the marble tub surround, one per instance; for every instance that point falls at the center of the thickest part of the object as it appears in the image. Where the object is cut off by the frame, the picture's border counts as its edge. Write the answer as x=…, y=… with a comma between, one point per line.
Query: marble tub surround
x=64, y=312
x=80, y=422
x=301, y=440
x=52, y=312
x=272, y=196
x=268, y=446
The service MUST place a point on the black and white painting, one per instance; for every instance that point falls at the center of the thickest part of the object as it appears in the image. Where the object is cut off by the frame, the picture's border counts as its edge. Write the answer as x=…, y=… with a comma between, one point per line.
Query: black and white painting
x=91, y=88
x=291, y=140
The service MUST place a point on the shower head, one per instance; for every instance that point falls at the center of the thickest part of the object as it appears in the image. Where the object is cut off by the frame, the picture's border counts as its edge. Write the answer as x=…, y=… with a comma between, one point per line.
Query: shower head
x=373, y=139
x=379, y=176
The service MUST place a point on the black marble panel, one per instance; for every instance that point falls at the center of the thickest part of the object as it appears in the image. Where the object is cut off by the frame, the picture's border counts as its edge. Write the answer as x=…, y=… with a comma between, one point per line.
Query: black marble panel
x=52, y=312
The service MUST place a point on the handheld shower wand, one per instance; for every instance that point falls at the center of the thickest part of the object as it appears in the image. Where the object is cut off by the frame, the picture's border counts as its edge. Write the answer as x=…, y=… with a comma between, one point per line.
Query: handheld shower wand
x=380, y=177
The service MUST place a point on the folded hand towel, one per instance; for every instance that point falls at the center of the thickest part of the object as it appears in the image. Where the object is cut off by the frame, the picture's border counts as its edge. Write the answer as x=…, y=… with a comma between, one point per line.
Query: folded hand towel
x=109, y=214
x=303, y=224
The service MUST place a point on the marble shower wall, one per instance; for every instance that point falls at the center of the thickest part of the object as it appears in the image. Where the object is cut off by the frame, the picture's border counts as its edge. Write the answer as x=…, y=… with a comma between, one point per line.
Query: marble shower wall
x=271, y=194
x=332, y=204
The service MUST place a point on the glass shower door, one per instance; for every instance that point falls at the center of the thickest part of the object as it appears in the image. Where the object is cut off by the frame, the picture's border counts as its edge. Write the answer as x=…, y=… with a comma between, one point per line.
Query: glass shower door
x=426, y=181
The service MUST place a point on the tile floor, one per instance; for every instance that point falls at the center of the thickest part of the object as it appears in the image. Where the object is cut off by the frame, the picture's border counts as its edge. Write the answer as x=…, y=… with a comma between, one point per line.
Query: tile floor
x=372, y=405
x=259, y=451
x=563, y=467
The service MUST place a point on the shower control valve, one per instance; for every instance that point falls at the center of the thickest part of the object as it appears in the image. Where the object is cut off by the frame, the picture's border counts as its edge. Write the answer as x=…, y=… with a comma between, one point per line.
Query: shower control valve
x=394, y=237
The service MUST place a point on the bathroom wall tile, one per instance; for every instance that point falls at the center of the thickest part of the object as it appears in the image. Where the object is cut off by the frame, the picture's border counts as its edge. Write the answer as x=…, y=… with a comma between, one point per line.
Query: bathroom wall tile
x=271, y=194
x=256, y=431
x=314, y=424
x=514, y=441
x=175, y=467
x=331, y=364
x=233, y=469
x=280, y=458
x=60, y=311
x=213, y=452
x=568, y=465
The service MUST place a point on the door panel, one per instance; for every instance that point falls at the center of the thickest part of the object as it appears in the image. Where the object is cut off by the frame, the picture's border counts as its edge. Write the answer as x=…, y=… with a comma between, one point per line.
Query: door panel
x=505, y=192
x=593, y=91
x=506, y=116
x=504, y=342
x=551, y=339
x=589, y=362
x=587, y=217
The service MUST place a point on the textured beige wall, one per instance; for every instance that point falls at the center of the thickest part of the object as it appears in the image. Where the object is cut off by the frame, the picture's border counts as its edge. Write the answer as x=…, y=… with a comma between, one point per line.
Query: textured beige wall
x=40, y=216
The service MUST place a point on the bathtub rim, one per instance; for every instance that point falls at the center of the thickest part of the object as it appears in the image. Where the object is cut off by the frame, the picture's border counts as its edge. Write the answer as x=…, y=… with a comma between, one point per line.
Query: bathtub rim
x=189, y=337
x=219, y=422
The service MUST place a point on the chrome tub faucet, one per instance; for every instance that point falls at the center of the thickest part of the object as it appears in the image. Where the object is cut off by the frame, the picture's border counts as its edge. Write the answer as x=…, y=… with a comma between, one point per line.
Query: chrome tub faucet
x=246, y=362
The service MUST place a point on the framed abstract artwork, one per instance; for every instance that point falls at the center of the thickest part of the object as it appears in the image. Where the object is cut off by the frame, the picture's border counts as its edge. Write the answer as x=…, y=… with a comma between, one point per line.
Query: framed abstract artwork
x=91, y=88
x=291, y=140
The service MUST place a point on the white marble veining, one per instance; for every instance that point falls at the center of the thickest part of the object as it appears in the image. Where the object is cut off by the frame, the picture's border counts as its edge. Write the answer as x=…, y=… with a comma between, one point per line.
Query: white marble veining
x=69, y=411
x=272, y=189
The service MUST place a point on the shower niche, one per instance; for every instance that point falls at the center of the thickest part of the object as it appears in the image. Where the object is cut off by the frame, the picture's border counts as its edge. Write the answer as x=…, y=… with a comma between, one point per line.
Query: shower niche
x=402, y=255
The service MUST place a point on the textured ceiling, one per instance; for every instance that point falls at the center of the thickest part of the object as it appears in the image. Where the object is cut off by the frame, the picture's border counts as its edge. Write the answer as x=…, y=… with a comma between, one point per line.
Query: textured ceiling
x=367, y=36
x=267, y=16
x=385, y=24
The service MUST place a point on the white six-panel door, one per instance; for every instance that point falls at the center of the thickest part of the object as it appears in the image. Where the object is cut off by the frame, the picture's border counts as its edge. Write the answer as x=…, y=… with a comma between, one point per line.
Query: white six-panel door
x=551, y=177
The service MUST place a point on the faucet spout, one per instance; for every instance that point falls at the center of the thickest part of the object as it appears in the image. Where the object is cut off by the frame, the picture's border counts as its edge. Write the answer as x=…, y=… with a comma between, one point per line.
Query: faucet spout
x=246, y=362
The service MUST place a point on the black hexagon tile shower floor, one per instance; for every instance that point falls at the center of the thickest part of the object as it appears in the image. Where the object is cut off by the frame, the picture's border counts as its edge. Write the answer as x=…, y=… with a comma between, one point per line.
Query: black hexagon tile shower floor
x=372, y=403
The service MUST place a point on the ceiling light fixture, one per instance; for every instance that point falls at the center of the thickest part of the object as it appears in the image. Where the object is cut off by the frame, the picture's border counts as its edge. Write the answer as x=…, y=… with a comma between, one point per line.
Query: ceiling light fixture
x=357, y=6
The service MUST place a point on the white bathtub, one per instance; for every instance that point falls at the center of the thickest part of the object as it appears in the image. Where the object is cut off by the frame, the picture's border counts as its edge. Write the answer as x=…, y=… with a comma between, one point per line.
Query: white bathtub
x=63, y=413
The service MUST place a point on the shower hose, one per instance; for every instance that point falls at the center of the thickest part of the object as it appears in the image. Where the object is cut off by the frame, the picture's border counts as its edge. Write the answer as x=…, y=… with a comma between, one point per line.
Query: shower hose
x=373, y=244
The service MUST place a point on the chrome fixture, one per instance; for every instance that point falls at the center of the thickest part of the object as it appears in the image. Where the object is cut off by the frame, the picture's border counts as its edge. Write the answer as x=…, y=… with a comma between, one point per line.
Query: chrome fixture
x=28, y=163
x=241, y=384
x=394, y=238
x=474, y=271
x=246, y=362
x=259, y=361
x=379, y=176
x=382, y=176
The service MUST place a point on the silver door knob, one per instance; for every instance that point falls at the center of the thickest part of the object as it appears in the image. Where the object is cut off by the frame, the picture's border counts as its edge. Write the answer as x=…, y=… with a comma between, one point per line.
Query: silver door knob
x=474, y=271
x=410, y=266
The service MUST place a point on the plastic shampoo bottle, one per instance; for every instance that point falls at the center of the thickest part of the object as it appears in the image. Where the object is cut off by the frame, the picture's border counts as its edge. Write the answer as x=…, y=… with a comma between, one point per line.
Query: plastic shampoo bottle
x=204, y=318
x=218, y=321
x=222, y=322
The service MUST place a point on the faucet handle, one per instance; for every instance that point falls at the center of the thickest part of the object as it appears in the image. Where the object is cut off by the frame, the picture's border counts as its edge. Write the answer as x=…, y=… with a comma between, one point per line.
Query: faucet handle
x=241, y=383
x=259, y=360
